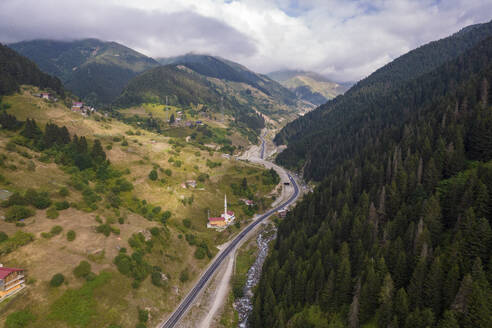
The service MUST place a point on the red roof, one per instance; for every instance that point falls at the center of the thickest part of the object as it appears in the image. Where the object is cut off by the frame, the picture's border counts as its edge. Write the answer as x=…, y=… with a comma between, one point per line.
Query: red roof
x=216, y=219
x=230, y=213
x=4, y=272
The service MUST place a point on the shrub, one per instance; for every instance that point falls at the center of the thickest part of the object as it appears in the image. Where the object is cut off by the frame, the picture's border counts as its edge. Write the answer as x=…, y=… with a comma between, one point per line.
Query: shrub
x=105, y=229
x=121, y=220
x=166, y=215
x=168, y=172
x=200, y=253
x=156, y=278
x=82, y=270
x=187, y=223
x=52, y=213
x=71, y=235
x=3, y=236
x=154, y=231
x=56, y=230
x=18, y=212
x=19, y=319
x=18, y=239
x=184, y=275
x=143, y=315
x=124, y=143
x=153, y=175
x=63, y=205
x=57, y=280
x=40, y=200
x=64, y=192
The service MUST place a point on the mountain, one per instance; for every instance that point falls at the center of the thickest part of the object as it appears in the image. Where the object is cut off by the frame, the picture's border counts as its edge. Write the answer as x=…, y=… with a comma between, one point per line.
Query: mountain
x=219, y=84
x=398, y=233
x=181, y=86
x=314, y=132
x=16, y=70
x=95, y=70
x=267, y=94
x=309, y=86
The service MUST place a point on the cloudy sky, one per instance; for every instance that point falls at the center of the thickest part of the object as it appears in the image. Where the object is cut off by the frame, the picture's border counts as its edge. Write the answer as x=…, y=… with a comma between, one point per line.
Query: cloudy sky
x=343, y=39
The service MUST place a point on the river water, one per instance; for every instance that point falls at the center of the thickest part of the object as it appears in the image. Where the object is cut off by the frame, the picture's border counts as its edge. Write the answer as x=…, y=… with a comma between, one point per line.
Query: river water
x=244, y=305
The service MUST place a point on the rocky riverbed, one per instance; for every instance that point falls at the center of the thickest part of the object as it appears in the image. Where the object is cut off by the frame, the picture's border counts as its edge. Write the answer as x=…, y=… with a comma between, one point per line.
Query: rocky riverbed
x=244, y=305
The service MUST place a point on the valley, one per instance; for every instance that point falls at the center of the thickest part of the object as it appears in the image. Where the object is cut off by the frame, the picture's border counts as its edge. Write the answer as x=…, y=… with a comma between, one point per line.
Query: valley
x=165, y=185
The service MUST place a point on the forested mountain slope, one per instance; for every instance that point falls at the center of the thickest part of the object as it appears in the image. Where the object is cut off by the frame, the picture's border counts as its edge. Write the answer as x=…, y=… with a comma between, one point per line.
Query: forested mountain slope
x=223, y=69
x=310, y=132
x=16, y=70
x=398, y=234
x=93, y=69
x=182, y=86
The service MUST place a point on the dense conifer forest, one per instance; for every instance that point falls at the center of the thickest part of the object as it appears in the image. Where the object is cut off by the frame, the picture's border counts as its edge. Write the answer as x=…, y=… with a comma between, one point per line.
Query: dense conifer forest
x=398, y=232
x=16, y=70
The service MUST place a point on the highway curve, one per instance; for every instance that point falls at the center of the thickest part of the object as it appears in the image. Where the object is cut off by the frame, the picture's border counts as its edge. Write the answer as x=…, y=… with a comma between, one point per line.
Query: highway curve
x=188, y=300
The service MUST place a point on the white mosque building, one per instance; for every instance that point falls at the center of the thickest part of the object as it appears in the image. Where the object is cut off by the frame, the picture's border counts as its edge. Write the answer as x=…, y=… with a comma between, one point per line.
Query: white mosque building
x=224, y=220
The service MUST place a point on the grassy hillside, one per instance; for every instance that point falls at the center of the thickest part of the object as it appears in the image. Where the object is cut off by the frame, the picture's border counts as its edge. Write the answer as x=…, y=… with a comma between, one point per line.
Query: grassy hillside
x=130, y=218
x=95, y=70
x=309, y=86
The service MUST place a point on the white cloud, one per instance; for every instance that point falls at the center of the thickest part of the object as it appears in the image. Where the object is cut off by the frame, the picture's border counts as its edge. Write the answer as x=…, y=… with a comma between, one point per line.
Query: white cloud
x=345, y=40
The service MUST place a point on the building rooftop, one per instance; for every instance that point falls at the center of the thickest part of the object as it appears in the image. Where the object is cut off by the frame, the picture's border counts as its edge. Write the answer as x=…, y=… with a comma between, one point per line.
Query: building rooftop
x=216, y=219
x=4, y=272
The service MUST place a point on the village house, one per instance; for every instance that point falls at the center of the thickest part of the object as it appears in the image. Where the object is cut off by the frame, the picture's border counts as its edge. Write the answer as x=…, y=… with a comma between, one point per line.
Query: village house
x=248, y=202
x=11, y=281
x=77, y=106
x=224, y=220
x=282, y=213
x=191, y=183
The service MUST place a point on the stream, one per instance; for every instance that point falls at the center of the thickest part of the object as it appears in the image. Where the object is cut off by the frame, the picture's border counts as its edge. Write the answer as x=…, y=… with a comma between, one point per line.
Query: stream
x=244, y=305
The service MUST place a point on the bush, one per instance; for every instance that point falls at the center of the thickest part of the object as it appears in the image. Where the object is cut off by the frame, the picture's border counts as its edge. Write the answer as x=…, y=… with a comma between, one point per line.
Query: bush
x=64, y=192
x=200, y=253
x=187, y=223
x=56, y=230
x=3, y=236
x=168, y=172
x=184, y=275
x=143, y=315
x=18, y=239
x=71, y=235
x=57, y=280
x=62, y=205
x=156, y=278
x=52, y=213
x=82, y=270
x=166, y=215
x=19, y=319
x=153, y=175
x=105, y=229
x=40, y=200
x=18, y=212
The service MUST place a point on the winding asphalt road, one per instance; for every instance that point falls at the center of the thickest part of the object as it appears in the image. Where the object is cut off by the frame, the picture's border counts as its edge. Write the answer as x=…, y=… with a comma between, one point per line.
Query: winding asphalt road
x=188, y=300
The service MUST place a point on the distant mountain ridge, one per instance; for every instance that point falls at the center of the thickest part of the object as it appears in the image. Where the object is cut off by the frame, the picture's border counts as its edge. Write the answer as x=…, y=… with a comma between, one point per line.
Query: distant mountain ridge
x=93, y=69
x=223, y=69
x=309, y=86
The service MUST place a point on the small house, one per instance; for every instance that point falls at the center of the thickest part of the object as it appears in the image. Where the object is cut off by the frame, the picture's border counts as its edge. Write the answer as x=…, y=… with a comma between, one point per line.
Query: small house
x=248, y=202
x=191, y=183
x=11, y=281
x=77, y=106
x=217, y=222
x=45, y=95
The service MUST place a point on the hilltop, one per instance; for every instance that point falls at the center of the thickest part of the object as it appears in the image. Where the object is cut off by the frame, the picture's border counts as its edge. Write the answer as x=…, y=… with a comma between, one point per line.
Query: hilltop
x=95, y=70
